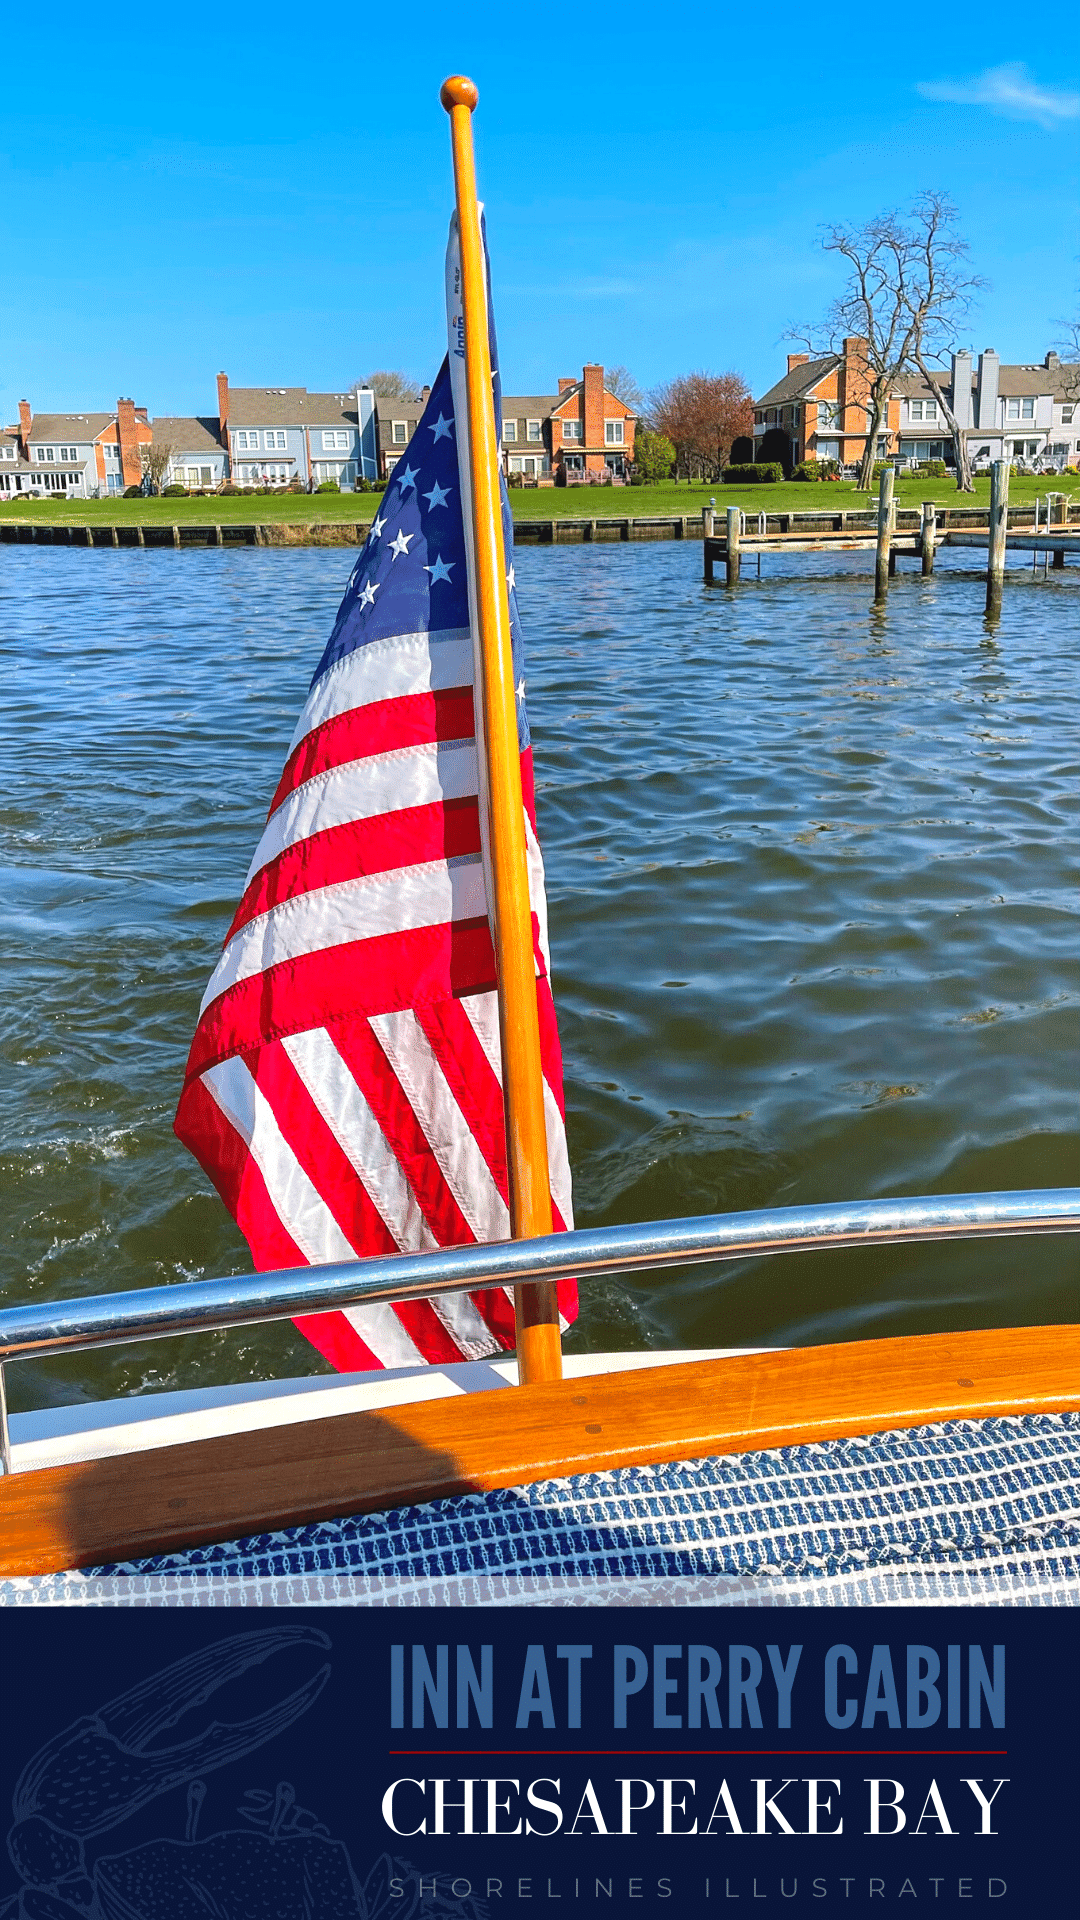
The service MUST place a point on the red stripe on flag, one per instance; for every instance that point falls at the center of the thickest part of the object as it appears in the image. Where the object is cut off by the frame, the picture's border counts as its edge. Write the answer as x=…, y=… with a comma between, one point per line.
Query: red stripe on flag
x=338, y=1341
x=323, y=1159
x=381, y=975
x=442, y=830
x=381, y=727
x=471, y=1080
x=550, y=1050
x=223, y=1155
x=373, y=1073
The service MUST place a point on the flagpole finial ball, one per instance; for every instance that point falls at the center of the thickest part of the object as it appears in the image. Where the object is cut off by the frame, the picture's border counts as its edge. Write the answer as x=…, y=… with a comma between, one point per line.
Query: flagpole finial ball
x=459, y=92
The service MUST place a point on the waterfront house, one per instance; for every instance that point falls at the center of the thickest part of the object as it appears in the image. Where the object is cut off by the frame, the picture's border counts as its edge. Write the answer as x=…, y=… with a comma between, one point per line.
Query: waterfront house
x=580, y=434
x=81, y=455
x=1007, y=412
x=197, y=458
x=817, y=411
x=276, y=435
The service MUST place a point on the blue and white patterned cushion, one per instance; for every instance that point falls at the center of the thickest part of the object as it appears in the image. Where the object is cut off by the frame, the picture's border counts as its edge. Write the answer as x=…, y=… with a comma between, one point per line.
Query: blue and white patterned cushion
x=990, y=1506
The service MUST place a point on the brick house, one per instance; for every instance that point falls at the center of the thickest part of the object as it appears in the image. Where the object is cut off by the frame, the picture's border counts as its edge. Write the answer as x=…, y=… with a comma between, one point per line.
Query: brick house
x=821, y=407
x=274, y=435
x=1022, y=412
x=81, y=455
x=579, y=435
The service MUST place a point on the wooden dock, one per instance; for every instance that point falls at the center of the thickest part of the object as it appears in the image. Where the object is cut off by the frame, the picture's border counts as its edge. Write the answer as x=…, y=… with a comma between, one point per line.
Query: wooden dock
x=890, y=534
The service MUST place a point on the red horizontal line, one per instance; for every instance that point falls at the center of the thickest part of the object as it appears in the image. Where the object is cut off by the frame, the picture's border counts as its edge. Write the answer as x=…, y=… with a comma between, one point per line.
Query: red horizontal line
x=693, y=1753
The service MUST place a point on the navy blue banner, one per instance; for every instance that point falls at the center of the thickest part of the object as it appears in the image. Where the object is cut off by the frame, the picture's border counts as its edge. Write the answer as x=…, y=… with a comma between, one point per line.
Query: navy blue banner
x=361, y=1764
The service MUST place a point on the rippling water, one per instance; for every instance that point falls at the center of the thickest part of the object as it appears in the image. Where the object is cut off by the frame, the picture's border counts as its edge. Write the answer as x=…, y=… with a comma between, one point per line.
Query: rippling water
x=812, y=879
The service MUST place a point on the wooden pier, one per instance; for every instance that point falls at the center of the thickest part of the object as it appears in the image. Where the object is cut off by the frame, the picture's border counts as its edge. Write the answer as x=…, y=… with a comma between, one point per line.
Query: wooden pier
x=891, y=534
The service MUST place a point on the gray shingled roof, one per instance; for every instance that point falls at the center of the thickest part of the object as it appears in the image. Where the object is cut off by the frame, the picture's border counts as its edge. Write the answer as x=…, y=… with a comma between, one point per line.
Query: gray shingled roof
x=1062, y=381
x=290, y=407
x=799, y=381
x=530, y=406
x=69, y=426
x=188, y=433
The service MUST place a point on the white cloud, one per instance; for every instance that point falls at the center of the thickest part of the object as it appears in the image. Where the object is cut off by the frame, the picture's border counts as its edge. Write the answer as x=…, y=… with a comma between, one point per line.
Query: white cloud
x=1008, y=90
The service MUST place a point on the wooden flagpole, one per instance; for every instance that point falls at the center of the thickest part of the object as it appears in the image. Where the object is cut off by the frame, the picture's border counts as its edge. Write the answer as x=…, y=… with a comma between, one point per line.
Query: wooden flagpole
x=536, y=1307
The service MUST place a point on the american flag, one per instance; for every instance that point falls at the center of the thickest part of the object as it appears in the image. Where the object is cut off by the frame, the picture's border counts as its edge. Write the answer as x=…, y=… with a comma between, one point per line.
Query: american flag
x=343, y=1090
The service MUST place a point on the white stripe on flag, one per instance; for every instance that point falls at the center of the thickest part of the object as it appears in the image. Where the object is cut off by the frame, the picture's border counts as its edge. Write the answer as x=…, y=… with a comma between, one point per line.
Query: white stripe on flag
x=353, y=1124
x=389, y=669
x=298, y=1204
x=362, y=909
x=534, y=861
x=482, y=1010
x=384, y=783
x=445, y=1128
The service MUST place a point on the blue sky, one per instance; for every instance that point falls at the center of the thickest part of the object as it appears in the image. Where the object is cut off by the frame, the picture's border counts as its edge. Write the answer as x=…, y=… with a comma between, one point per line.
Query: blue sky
x=266, y=189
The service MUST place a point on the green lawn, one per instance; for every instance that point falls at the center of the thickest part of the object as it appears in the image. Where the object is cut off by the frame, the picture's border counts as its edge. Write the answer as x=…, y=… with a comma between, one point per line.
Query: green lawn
x=564, y=503
x=529, y=503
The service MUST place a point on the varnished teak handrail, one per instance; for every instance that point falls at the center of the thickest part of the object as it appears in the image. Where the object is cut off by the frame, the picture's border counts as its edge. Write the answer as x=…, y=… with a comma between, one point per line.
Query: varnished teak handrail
x=152, y=1502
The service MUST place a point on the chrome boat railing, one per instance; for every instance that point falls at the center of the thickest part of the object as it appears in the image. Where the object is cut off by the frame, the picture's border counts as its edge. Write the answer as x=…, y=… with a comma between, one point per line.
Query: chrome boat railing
x=202, y=1306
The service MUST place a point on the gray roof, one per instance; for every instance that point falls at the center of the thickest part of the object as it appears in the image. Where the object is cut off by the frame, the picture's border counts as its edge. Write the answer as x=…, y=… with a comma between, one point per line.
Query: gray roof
x=69, y=426
x=530, y=406
x=290, y=407
x=188, y=433
x=1063, y=381
x=798, y=381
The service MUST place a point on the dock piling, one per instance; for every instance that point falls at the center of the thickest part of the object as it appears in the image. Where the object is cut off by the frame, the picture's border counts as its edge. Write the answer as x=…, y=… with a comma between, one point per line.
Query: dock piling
x=734, y=536
x=708, y=521
x=999, y=521
x=929, y=535
x=886, y=513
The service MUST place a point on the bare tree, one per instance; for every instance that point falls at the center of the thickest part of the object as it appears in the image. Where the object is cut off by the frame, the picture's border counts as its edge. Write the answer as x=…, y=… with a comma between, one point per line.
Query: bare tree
x=940, y=291
x=1069, y=346
x=154, y=457
x=907, y=290
x=390, y=384
x=872, y=311
x=620, y=381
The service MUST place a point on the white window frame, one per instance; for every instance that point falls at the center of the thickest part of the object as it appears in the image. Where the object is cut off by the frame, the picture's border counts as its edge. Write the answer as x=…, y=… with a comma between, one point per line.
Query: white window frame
x=828, y=417
x=571, y=430
x=515, y=464
x=399, y=433
x=1067, y=409
x=534, y=432
x=614, y=433
x=247, y=441
x=274, y=439
x=334, y=441
x=510, y=434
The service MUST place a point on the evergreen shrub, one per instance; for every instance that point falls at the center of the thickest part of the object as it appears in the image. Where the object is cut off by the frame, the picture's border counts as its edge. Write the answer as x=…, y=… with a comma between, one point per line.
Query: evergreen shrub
x=764, y=473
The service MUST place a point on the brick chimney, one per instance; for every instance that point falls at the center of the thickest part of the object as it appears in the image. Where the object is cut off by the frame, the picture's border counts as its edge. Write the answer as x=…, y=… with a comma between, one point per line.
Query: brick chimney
x=797, y=360
x=853, y=377
x=566, y=381
x=593, y=379
x=223, y=409
x=127, y=427
x=25, y=422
